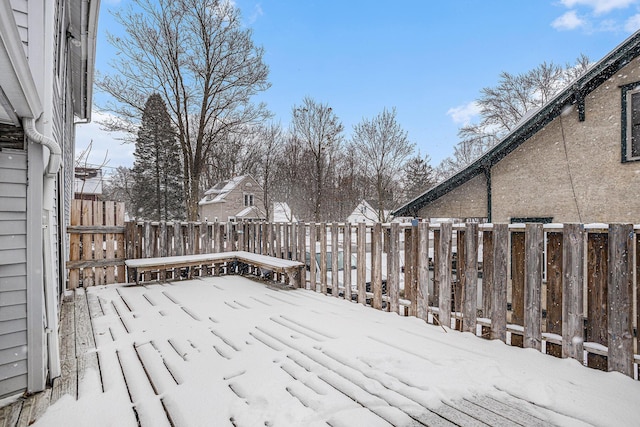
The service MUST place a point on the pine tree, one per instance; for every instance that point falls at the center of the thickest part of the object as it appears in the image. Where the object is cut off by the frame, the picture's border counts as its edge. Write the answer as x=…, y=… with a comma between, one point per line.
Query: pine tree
x=157, y=169
x=418, y=176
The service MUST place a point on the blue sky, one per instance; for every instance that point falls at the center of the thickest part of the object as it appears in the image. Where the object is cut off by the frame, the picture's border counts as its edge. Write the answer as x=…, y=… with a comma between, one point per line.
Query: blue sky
x=428, y=59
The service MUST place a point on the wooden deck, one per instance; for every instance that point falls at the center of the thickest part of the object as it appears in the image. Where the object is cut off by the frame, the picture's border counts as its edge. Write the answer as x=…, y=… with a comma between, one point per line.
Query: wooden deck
x=78, y=352
x=151, y=367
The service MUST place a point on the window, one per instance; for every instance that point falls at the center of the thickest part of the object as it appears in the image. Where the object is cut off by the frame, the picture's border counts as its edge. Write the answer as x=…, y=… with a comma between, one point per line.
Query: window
x=524, y=220
x=248, y=199
x=631, y=122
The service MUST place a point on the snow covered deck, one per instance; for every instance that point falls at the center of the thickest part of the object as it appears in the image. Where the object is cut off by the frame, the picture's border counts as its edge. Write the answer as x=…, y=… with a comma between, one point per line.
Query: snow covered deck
x=229, y=351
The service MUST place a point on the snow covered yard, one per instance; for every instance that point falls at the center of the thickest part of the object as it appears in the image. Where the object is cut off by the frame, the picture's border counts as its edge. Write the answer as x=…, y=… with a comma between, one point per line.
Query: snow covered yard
x=225, y=351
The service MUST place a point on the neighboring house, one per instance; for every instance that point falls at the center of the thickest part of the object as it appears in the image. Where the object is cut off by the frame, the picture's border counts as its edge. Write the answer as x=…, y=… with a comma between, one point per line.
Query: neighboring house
x=281, y=212
x=237, y=199
x=87, y=183
x=576, y=159
x=47, y=51
x=367, y=211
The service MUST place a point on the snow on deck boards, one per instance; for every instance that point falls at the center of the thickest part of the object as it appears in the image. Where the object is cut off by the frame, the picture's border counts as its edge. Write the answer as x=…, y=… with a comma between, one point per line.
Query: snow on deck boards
x=228, y=351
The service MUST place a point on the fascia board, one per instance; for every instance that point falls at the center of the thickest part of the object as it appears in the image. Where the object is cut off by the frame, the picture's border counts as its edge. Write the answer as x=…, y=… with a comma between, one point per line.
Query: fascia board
x=17, y=79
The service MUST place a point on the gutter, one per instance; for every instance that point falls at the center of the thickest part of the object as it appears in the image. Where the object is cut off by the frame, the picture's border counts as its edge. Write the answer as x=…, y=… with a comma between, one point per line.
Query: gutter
x=50, y=299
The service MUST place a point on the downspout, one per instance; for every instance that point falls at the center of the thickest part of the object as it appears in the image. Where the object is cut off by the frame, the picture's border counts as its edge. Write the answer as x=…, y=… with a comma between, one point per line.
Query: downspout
x=487, y=175
x=50, y=299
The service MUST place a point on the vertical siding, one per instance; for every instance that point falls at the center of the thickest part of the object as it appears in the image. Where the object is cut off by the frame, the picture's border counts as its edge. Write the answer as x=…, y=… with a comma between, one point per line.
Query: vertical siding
x=21, y=16
x=13, y=272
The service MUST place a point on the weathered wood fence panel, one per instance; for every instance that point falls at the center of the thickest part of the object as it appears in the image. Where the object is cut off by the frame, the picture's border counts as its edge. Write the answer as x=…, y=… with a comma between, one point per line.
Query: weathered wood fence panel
x=499, y=285
x=620, y=297
x=567, y=290
x=572, y=291
x=96, y=243
x=470, y=308
x=533, y=286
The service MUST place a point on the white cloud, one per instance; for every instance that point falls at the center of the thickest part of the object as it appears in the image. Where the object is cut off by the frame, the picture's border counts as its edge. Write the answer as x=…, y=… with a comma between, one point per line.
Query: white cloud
x=599, y=6
x=256, y=13
x=568, y=21
x=107, y=146
x=463, y=114
x=632, y=24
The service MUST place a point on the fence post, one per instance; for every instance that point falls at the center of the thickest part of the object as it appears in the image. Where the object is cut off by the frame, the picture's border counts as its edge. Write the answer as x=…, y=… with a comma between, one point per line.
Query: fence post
x=87, y=243
x=278, y=230
x=302, y=245
x=620, y=295
x=313, y=271
x=129, y=238
x=120, y=246
x=376, y=265
x=534, y=240
x=362, y=269
x=335, y=291
x=415, y=241
x=444, y=259
x=177, y=238
x=393, y=273
x=286, y=246
x=294, y=242
x=422, y=271
x=110, y=213
x=346, y=276
x=323, y=257
x=98, y=243
x=458, y=283
x=435, y=298
x=499, y=288
x=470, y=305
x=572, y=299
x=408, y=268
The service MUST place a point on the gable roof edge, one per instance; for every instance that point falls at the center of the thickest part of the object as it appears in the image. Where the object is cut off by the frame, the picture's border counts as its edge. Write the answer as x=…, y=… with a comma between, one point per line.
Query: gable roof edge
x=597, y=74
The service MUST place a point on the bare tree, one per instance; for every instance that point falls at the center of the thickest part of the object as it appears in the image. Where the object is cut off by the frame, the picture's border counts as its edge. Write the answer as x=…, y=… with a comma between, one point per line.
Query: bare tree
x=203, y=62
x=237, y=154
x=287, y=185
x=271, y=142
x=572, y=72
x=504, y=106
x=319, y=130
x=119, y=188
x=384, y=147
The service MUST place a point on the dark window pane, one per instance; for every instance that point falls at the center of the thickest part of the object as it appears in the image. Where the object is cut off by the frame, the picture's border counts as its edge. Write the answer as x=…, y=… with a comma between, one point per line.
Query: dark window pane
x=635, y=125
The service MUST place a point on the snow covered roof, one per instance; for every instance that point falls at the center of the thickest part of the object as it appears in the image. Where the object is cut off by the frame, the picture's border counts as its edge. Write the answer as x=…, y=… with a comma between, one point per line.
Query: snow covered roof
x=87, y=181
x=250, y=212
x=573, y=94
x=282, y=212
x=219, y=192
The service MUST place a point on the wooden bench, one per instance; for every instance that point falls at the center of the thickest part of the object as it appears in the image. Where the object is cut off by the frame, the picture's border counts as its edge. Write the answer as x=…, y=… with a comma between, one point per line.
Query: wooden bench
x=189, y=265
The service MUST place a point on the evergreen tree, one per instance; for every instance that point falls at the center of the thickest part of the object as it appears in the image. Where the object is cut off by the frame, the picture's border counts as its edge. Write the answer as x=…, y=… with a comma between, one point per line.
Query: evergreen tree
x=418, y=176
x=157, y=170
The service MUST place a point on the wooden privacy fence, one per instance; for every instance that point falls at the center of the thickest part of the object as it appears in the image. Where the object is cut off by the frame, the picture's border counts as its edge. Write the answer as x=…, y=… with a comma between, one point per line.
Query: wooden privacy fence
x=96, y=243
x=568, y=290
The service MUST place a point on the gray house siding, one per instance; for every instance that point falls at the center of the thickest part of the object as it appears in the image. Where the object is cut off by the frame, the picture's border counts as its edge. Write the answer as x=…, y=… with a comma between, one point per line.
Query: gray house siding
x=20, y=14
x=13, y=271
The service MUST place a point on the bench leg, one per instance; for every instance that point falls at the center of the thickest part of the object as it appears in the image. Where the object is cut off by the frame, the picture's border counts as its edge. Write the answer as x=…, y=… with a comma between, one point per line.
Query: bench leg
x=295, y=277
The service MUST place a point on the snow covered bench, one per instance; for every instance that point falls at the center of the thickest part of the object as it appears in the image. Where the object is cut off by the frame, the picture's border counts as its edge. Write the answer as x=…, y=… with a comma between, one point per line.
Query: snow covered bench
x=203, y=264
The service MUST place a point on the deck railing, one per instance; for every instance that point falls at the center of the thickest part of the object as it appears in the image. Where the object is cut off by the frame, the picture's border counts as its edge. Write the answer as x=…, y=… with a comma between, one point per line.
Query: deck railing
x=568, y=290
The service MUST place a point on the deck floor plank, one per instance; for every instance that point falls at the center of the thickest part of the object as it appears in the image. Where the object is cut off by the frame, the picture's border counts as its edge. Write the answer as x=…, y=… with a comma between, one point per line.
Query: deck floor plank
x=10, y=414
